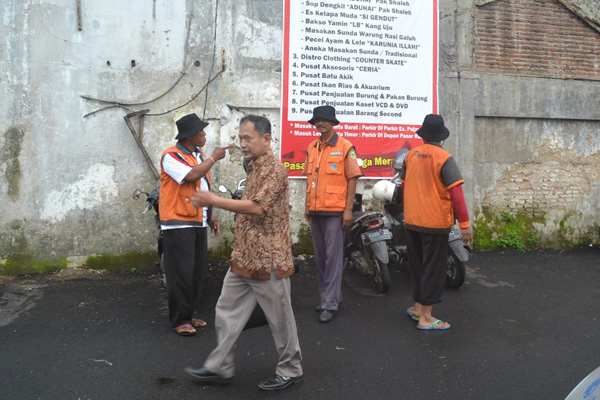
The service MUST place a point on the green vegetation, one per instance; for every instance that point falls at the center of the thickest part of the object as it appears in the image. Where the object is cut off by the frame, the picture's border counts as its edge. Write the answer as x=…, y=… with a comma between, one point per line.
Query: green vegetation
x=501, y=229
x=304, y=245
x=18, y=258
x=505, y=230
x=25, y=264
x=222, y=253
x=132, y=261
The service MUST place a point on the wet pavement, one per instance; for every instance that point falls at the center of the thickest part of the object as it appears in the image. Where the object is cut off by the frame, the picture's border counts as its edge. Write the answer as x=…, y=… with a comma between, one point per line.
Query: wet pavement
x=526, y=325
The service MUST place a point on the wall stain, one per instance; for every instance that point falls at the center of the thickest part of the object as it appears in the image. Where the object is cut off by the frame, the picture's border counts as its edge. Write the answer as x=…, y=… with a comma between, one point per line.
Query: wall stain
x=9, y=155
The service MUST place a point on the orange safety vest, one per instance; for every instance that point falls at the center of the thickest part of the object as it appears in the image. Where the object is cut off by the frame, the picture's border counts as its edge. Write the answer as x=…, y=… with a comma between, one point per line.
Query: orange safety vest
x=175, y=200
x=327, y=184
x=427, y=202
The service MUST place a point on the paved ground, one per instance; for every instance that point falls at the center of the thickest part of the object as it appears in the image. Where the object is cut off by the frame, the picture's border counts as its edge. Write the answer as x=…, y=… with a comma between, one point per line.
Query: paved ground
x=525, y=326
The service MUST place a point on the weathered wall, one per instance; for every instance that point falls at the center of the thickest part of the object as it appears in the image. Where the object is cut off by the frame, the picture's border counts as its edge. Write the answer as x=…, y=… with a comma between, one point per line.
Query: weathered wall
x=537, y=139
x=528, y=120
x=68, y=166
x=67, y=179
x=536, y=37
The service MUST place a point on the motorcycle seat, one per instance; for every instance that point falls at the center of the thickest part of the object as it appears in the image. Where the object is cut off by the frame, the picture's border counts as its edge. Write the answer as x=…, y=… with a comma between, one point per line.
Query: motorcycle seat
x=362, y=215
x=357, y=214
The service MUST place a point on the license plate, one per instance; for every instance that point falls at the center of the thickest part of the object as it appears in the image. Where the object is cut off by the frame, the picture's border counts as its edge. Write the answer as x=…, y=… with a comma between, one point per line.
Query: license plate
x=376, y=236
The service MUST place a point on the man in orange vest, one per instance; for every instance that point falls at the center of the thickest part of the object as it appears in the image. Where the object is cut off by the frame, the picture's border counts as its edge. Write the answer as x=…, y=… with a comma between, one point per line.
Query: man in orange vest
x=332, y=173
x=433, y=197
x=184, y=169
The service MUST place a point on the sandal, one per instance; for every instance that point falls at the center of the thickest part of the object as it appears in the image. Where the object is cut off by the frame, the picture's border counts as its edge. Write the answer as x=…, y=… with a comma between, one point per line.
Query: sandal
x=185, y=330
x=411, y=314
x=435, y=326
x=198, y=323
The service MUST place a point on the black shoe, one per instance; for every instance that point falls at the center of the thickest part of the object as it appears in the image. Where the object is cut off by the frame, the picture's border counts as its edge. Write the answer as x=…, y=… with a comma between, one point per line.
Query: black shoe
x=280, y=382
x=319, y=309
x=326, y=316
x=206, y=376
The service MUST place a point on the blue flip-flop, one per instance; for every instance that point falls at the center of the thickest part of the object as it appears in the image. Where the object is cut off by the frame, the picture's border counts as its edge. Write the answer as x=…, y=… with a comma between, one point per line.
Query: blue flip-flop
x=434, y=326
x=411, y=314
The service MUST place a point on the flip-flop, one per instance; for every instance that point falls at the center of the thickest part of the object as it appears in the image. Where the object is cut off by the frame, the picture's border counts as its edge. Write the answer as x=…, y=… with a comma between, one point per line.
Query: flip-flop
x=185, y=330
x=411, y=314
x=198, y=323
x=434, y=326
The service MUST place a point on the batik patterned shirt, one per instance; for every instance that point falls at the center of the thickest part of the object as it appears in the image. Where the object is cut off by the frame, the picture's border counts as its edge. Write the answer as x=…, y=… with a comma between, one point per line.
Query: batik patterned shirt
x=262, y=242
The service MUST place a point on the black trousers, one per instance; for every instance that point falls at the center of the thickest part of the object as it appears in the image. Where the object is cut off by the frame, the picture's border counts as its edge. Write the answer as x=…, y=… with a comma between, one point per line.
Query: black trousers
x=186, y=265
x=428, y=260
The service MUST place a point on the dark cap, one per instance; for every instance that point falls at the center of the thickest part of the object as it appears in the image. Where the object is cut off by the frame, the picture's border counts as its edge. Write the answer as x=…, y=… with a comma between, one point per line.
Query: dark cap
x=189, y=125
x=324, y=112
x=433, y=129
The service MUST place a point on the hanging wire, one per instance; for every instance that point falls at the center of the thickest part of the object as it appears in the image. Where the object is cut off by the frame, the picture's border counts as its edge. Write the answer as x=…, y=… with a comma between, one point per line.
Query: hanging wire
x=190, y=100
x=185, y=68
x=116, y=104
x=106, y=108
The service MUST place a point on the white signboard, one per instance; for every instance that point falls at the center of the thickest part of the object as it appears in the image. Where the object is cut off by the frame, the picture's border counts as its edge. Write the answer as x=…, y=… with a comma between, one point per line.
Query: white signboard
x=375, y=61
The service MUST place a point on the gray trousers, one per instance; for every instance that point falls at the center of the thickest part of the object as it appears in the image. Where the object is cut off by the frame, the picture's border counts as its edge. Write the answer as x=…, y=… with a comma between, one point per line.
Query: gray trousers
x=234, y=307
x=328, y=242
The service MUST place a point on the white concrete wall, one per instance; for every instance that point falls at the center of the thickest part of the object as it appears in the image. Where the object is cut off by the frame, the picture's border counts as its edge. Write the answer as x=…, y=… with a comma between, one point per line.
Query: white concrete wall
x=68, y=166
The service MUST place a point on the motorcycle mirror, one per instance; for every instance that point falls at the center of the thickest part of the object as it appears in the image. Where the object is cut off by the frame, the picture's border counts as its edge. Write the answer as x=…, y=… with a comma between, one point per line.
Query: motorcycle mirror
x=223, y=189
x=136, y=194
x=359, y=161
x=399, y=159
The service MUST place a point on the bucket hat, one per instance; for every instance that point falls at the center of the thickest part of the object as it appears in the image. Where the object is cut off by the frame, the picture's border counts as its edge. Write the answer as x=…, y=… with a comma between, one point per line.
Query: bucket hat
x=324, y=112
x=433, y=129
x=189, y=125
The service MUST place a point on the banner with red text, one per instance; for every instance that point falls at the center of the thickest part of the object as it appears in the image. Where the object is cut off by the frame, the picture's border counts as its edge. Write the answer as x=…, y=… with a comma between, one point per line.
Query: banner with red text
x=375, y=61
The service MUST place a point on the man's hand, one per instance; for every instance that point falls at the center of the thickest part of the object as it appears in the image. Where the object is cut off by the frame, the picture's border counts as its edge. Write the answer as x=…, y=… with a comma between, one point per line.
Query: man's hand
x=203, y=199
x=347, y=219
x=219, y=152
x=466, y=234
x=214, y=226
x=306, y=216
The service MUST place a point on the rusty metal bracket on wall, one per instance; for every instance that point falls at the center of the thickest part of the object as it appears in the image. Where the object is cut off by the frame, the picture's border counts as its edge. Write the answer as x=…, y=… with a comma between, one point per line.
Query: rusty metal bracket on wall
x=79, y=22
x=138, y=137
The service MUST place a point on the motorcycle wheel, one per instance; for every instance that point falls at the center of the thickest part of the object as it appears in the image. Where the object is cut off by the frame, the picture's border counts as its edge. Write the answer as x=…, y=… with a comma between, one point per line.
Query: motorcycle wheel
x=381, y=275
x=455, y=273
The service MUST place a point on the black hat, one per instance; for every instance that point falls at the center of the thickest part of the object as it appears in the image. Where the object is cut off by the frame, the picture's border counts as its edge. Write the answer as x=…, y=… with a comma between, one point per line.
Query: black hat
x=433, y=129
x=189, y=125
x=324, y=112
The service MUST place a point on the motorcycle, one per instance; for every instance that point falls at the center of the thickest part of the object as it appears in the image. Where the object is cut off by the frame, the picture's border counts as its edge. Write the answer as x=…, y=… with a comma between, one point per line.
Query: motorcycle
x=390, y=194
x=152, y=203
x=237, y=195
x=366, y=246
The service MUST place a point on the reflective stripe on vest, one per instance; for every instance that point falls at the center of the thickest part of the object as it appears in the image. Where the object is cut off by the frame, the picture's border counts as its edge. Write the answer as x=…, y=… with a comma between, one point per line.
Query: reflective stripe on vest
x=327, y=186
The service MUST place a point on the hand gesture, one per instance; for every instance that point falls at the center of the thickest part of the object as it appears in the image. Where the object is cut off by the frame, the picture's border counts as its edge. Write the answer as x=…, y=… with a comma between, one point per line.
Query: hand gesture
x=219, y=152
x=203, y=199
